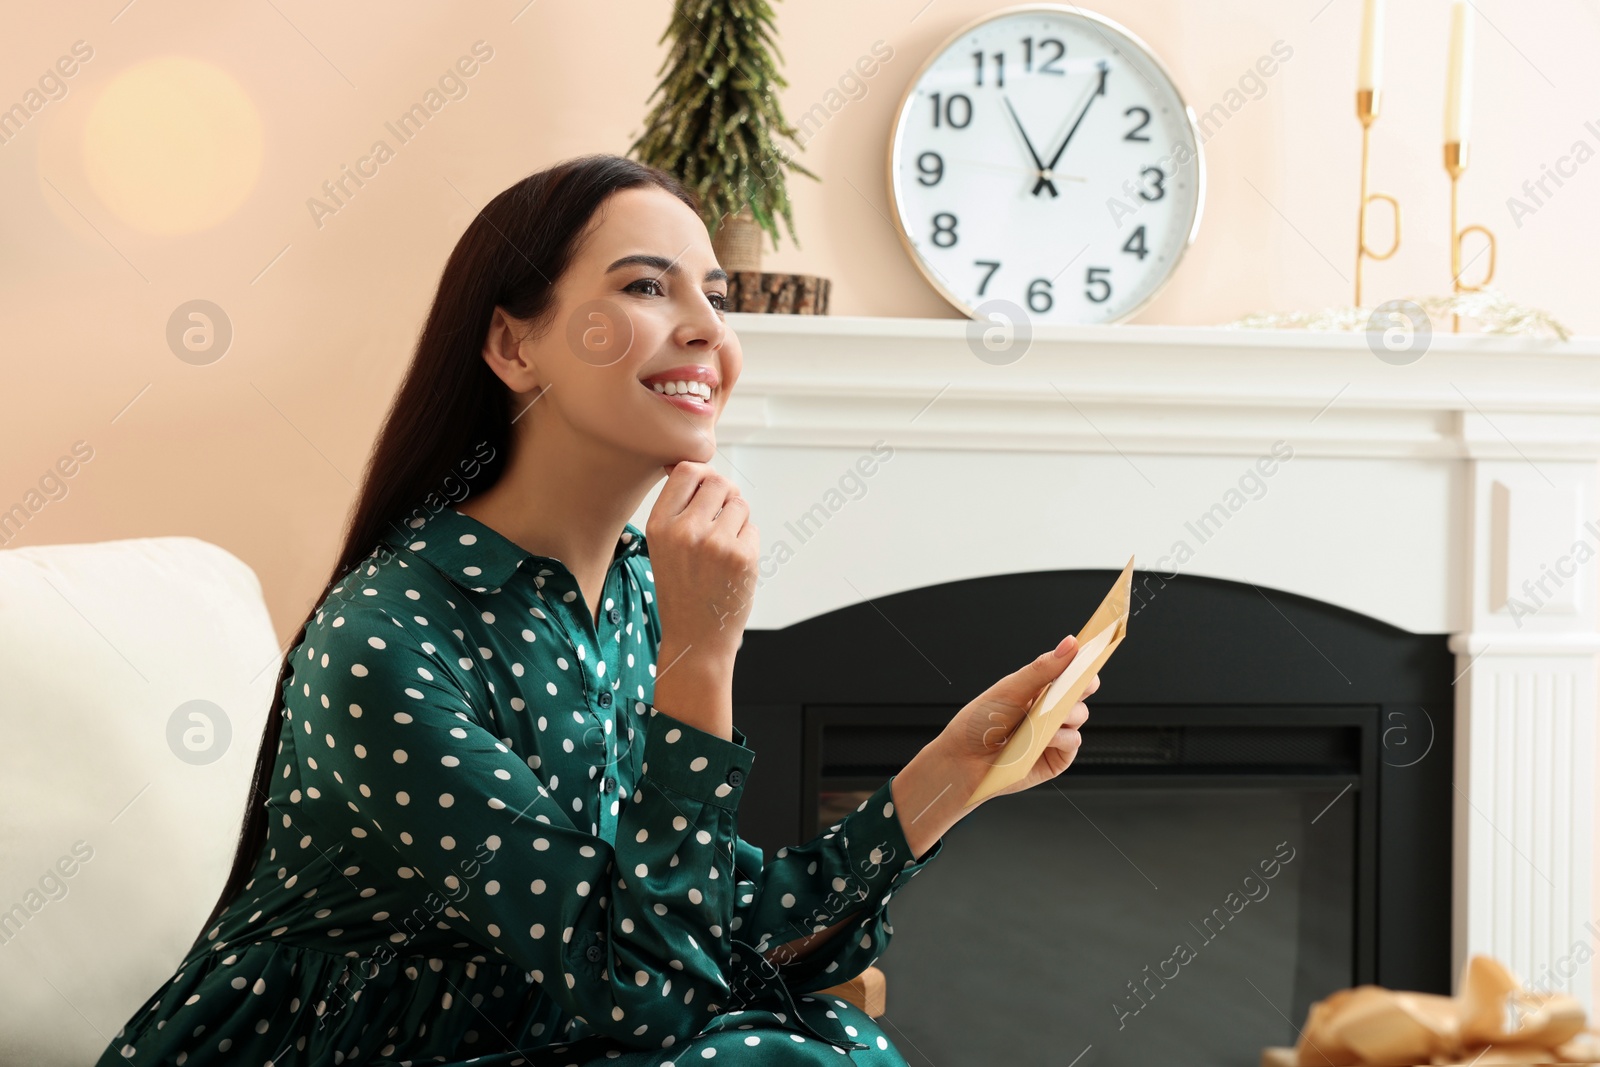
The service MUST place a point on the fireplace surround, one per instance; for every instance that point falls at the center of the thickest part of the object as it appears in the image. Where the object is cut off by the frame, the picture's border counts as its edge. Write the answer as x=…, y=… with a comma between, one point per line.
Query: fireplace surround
x=1446, y=499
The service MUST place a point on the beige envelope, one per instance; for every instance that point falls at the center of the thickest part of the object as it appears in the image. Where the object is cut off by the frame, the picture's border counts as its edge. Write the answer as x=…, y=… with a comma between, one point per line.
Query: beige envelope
x=1099, y=638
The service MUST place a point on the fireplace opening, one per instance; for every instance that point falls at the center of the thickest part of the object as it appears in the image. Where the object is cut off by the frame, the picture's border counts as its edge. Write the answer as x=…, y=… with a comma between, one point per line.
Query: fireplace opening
x=1248, y=854
x=1259, y=815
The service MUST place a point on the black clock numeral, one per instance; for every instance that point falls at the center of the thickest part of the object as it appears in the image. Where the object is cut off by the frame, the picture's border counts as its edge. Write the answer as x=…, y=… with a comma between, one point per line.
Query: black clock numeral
x=1091, y=280
x=1036, y=294
x=1046, y=67
x=993, y=265
x=944, y=229
x=1160, y=190
x=945, y=110
x=999, y=68
x=1134, y=134
x=930, y=163
x=1135, y=243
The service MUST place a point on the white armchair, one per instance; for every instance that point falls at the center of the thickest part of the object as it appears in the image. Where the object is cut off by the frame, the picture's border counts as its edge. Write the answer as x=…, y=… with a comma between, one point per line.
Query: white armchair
x=116, y=832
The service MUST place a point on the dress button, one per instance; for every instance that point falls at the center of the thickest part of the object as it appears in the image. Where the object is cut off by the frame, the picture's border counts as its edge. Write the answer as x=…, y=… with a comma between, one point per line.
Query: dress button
x=593, y=953
x=736, y=777
x=614, y=615
x=605, y=698
x=607, y=784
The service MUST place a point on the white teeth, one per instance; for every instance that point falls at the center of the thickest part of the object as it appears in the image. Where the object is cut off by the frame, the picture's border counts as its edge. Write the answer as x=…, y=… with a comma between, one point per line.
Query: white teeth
x=700, y=389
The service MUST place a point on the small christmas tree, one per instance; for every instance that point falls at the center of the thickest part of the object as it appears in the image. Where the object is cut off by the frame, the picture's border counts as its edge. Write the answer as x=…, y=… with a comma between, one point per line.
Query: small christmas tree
x=714, y=127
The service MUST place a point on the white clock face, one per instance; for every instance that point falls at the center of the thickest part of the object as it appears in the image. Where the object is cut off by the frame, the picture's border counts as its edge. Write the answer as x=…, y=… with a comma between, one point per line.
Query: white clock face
x=1043, y=157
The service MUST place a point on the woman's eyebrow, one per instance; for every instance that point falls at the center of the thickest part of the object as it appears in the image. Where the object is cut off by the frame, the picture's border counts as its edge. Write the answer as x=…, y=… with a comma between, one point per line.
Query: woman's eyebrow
x=664, y=265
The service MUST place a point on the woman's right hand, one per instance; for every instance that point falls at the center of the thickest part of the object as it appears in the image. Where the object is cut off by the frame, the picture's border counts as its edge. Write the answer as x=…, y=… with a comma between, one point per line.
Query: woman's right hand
x=703, y=552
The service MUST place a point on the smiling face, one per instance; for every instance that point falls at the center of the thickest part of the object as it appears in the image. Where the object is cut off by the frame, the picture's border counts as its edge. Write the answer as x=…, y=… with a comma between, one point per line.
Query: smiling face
x=637, y=338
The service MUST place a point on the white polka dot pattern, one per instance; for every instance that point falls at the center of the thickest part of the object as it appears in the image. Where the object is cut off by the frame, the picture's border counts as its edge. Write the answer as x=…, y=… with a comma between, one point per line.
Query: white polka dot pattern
x=476, y=796
x=528, y=811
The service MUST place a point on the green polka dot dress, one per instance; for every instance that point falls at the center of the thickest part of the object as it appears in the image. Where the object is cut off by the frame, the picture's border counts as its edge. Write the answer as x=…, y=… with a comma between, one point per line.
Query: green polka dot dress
x=487, y=846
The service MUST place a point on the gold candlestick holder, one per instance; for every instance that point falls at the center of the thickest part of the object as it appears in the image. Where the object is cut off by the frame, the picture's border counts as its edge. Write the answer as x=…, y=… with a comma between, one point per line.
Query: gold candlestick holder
x=1455, y=164
x=1367, y=112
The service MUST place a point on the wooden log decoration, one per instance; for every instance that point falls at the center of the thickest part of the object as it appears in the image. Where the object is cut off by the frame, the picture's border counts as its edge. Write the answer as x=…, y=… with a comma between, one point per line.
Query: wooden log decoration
x=778, y=294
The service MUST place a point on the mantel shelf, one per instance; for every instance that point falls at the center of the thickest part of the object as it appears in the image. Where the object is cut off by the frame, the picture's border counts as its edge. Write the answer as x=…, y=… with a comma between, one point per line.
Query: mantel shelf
x=950, y=328
x=845, y=381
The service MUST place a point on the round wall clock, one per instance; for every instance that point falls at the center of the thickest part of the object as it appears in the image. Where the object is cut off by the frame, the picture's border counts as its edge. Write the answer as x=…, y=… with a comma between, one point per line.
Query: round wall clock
x=1042, y=156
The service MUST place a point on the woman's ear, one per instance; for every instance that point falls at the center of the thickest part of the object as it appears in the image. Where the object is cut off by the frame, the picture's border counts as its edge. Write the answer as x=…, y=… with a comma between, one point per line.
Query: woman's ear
x=504, y=352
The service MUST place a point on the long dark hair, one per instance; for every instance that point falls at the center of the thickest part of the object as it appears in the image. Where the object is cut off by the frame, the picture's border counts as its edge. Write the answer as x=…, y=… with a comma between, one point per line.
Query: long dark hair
x=450, y=403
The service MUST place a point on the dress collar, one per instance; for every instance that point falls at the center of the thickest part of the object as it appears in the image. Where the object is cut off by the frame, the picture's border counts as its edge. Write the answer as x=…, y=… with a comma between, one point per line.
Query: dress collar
x=477, y=557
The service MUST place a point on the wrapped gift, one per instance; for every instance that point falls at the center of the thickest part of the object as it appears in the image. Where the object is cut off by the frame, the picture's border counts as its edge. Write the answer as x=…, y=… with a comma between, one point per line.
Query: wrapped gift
x=1491, y=1019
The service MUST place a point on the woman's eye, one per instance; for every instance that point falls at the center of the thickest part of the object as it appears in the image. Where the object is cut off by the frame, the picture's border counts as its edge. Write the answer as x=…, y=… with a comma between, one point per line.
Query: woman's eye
x=718, y=300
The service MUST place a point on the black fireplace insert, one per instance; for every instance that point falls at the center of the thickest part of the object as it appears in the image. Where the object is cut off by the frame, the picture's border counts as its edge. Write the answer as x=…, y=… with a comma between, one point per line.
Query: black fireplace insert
x=1259, y=815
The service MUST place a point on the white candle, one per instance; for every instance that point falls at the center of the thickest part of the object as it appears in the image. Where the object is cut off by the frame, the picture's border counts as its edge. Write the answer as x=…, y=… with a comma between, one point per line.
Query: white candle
x=1371, y=44
x=1458, y=80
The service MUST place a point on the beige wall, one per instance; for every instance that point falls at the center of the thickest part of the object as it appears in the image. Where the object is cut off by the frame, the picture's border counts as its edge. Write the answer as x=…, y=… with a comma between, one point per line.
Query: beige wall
x=118, y=214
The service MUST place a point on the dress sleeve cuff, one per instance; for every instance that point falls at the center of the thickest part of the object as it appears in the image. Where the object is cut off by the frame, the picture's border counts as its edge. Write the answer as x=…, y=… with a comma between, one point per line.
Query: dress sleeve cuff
x=880, y=856
x=880, y=863
x=693, y=762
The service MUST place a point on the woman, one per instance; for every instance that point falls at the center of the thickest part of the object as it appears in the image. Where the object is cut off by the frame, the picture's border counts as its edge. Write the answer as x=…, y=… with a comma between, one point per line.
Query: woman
x=494, y=819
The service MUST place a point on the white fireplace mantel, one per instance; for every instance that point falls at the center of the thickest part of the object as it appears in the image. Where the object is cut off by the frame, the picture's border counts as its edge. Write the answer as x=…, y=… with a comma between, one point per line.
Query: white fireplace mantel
x=883, y=454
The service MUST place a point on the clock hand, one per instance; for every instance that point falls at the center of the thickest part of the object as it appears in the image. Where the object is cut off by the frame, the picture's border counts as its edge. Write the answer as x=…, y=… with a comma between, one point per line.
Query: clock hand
x=1100, y=90
x=1037, y=162
x=984, y=165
